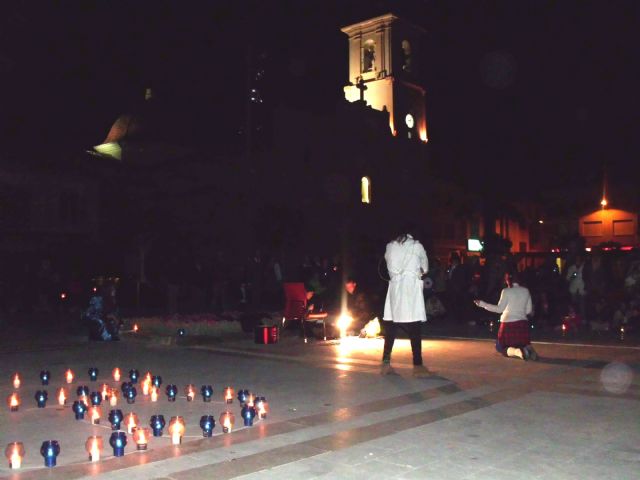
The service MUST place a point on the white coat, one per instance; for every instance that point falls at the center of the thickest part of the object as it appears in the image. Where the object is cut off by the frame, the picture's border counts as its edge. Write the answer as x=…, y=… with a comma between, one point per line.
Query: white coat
x=406, y=263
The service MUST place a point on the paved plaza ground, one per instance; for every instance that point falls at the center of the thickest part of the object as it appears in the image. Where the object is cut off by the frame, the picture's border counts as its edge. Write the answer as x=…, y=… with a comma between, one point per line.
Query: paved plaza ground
x=575, y=414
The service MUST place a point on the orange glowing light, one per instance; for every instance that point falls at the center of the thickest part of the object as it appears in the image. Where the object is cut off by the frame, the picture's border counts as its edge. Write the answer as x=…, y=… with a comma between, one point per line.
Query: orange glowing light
x=146, y=387
x=104, y=391
x=141, y=437
x=251, y=398
x=16, y=380
x=84, y=399
x=13, y=401
x=14, y=453
x=154, y=393
x=135, y=327
x=95, y=413
x=176, y=430
x=113, y=397
x=190, y=392
x=63, y=296
x=227, y=419
x=69, y=376
x=116, y=374
x=564, y=327
x=93, y=446
x=603, y=202
x=62, y=397
x=131, y=420
x=263, y=408
x=228, y=395
x=423, y=134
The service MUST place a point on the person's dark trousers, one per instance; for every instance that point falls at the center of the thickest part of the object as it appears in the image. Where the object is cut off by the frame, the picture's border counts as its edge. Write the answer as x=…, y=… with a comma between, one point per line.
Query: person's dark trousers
x=413, y=329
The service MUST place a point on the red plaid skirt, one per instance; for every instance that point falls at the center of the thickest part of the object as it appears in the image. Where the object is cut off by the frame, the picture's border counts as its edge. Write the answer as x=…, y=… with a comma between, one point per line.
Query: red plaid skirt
x=514, y=334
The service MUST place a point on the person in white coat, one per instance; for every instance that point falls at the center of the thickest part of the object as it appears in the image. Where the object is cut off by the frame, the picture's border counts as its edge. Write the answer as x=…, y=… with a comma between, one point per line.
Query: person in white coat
x=404, y=306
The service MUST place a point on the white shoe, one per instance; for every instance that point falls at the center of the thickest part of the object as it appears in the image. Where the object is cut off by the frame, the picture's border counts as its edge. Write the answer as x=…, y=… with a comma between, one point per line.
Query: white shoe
x=515, y=352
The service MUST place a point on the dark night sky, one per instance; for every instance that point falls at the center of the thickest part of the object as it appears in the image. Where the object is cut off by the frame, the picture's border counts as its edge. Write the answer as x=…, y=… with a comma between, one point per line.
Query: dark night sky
x=548, y=85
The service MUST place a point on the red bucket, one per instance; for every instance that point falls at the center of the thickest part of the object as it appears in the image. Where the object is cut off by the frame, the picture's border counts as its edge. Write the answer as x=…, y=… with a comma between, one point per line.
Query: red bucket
x=267, y=335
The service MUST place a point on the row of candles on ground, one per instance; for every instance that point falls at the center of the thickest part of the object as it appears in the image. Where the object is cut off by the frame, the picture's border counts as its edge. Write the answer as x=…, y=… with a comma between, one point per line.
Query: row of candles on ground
x=134, y=375
x=150, y=386
x=252, y=407
x=111, y=394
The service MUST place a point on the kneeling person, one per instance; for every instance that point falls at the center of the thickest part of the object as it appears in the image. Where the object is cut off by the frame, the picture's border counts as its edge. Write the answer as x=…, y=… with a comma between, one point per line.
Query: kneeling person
x=514, y=306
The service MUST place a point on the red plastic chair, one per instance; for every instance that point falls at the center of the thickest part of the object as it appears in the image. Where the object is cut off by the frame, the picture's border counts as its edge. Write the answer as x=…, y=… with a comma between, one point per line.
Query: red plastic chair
x=295, y=309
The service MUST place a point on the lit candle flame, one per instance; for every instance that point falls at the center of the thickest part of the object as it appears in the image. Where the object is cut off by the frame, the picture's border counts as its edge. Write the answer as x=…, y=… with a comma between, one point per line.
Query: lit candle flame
x=95, y=415
x=16, y=459
x=154, y=394
x=135, y=327
x=176, y=430
x=228, y=394
x=131, y=422
x=251, y=399
x=14, y=401
x=105, y=392
x=113, y=397
x=69, y=376
x=62, y=397
x=16, y=381
x=95, y=451
x=145, y=387
x=116, y=374
x=190, y=393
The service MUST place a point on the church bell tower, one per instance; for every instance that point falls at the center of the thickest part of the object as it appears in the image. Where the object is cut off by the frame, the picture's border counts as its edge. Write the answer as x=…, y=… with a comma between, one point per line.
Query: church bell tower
x=383, y=66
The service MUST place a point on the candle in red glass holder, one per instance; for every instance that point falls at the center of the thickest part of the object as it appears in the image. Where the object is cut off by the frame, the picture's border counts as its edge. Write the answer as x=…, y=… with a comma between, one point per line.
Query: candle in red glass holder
x=13, y=402
x=131, y=421
x=154, y=394
x=116, y=374
x=69, y=376
x=176, y=430
x=227, y=419
x=93, y=446
x=95, y=413
x=14, y=453
x=104, y=391
x=141, y=437
x=113, y=397
x=228, y=395
x=190, y=392
x=16, y=380
x=62, y=397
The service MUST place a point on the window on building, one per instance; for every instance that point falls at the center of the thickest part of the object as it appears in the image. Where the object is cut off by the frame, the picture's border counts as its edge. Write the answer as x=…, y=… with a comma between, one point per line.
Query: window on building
x=406, y=56
x=623, y=227
x=365, y=189
x=592, y=229
x=369, y=56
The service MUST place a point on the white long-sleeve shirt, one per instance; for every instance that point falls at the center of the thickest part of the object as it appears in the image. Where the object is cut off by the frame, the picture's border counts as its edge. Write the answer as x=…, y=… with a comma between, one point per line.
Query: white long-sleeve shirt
x=515, y=304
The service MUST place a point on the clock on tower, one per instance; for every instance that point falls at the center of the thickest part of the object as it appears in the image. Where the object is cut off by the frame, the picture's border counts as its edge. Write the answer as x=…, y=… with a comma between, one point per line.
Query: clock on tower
x=382, y=72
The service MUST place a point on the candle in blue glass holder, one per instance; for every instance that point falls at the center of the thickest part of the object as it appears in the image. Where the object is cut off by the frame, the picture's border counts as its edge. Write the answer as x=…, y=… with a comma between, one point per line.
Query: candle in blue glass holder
x=96, y=398
x=207, y=392
x=130, y=395
x=118, y=441
x=157, y=424
x=115, y=419
x=172, y=391
x=93, y=374
x=207, y=424
x=181, y=332
x=79, y=408
x=156, y=380
x=50, y=449
x=242, y=396
x=82, y=391
x=125, y=386
x=134, y=375
x=248, y=414
x=41, y=398
x=45, y=375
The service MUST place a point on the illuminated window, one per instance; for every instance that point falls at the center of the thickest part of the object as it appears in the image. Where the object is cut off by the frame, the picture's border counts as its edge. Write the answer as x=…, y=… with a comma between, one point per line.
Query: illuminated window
x=369, y=56
x=365, y=187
